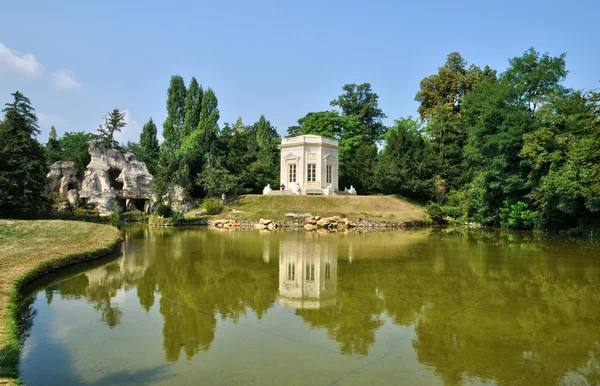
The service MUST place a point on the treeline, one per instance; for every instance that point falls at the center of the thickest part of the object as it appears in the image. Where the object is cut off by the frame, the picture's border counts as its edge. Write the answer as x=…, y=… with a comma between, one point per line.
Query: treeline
x=517, y=149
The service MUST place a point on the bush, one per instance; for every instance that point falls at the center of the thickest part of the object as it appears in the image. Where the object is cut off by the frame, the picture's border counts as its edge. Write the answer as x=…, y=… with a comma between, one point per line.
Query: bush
x=212, y=205
x=176, y=218
x=134, y=216
x=436, y=213
x=114, y=218
x=517, y=216
x=163, y=211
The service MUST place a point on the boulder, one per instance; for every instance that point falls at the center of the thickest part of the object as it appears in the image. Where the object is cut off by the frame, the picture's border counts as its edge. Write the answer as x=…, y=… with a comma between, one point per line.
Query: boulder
x=73, y=198
x=99, y=191
x=323, y=222
x=310, y=227
x=62, y=178
x=311, y=220
x=179, y=200
x=199, y=214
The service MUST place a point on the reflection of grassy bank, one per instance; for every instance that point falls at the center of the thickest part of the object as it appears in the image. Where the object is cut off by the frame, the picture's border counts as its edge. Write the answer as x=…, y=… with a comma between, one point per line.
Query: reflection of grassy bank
x=30, y=249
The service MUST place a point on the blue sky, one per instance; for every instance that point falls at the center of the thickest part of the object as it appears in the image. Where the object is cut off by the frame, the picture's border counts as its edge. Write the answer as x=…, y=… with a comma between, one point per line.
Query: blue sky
x=77, y=60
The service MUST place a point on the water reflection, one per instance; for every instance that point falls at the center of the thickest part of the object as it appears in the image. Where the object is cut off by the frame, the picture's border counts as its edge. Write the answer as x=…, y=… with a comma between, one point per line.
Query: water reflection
x=481, y=306
x=307, y=274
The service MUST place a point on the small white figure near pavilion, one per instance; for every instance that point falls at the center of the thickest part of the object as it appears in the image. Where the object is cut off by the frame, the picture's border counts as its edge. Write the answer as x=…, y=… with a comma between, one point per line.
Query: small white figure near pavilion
x=309, y=164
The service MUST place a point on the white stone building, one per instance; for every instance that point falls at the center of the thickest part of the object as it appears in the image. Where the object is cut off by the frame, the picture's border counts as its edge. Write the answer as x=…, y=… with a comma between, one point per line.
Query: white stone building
x=309, y=164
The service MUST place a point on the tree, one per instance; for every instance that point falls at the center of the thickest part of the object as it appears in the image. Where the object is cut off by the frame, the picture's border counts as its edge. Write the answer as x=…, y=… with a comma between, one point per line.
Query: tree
x=193, y=107
x=114, y=122
x=22, y=161
x=267, y=140
x=446, y=89
x=216, y=180
x=75, y=147
x=407, y=163
x=53, y=149
x=149, y=148
x=499, y=115
x=440, y=106
x=536, y=77
x=360, y=101
x=172, y=127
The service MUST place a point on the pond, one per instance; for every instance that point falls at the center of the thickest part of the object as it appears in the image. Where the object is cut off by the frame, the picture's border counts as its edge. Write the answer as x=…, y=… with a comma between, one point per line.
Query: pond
x=419, y=307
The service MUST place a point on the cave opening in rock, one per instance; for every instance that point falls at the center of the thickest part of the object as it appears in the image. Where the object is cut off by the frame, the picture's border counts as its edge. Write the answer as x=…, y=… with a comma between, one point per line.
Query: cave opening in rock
x=71, y=185
x=136, y=204
x=113, y=174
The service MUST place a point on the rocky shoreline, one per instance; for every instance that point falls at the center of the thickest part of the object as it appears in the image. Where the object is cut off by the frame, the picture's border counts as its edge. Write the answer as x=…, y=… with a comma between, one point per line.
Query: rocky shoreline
x=348, y=223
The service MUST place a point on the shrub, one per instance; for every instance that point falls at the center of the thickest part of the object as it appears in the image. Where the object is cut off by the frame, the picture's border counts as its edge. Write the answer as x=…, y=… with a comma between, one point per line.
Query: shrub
x=163, y=211
x=134, y=216
x=176, y=217
x=212, y=205
x=517, y=216
x=114, y=218
x=436, y=213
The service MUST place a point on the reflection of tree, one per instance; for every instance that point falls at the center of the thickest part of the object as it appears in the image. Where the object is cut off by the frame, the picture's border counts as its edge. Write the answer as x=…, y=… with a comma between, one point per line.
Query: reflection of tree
x=196, y=275
x=25, y=315
x=352, y=322
x=493, y=309
x=515, y=308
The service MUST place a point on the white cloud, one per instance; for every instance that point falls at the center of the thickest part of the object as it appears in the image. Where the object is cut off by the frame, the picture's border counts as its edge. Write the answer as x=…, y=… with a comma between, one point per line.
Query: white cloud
x=65, y=79
x=12, y=61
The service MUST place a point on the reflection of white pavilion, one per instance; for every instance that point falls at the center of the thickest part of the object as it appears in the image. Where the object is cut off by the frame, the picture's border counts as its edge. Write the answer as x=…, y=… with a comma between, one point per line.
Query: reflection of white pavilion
x=307, y=274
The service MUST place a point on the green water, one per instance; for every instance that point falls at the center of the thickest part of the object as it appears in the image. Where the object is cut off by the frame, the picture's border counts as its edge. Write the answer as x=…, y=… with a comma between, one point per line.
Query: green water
x=423, y=307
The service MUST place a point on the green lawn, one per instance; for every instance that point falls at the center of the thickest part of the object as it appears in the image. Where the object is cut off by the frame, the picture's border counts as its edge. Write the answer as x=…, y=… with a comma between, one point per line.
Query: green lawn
x=386, y=208
x=29, y=249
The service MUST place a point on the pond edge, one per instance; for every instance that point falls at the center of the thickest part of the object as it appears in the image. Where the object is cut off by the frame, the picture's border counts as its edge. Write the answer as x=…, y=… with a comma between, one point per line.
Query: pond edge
x=11, y=352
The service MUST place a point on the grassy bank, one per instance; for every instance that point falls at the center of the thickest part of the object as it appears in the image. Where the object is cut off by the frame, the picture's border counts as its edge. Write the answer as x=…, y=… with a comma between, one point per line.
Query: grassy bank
x=383, y=208
x=30, y=249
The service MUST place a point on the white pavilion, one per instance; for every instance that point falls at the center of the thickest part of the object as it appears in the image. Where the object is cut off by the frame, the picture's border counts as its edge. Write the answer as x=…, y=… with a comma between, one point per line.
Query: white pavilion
x=309, y=164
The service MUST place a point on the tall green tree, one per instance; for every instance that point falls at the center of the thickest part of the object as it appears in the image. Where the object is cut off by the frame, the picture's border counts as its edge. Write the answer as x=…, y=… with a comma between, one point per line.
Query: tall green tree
x=268, y=140
x=53, y=148
x=193, y=107
x=499, y=114
x=407, y=163
x=22, y=161
x=149, y=147
x=360, y=101
x=75, y=147
x=114, y=122
x=440, y=106
x=173, y=125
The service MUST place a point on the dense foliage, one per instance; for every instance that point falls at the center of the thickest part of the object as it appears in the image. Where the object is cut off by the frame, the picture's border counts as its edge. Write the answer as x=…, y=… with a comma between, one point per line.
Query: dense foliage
x=517, y=149
x=22, y=161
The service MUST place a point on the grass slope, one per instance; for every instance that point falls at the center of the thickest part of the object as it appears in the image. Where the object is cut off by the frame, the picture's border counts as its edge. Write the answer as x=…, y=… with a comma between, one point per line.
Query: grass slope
x=385, y=208
x=30, y=249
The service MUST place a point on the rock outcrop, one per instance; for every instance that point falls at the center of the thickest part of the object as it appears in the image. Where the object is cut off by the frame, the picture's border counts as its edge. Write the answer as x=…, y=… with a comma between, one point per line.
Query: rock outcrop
x=62, y=177
x=133, y=183
x=331, y=223
x=265, y=223
x=179, y=200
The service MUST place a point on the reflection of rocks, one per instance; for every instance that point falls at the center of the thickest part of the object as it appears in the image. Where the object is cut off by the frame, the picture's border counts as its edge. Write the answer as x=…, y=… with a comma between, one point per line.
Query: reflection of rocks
x=307, y=274
x=62, y=177
x=100, y=188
